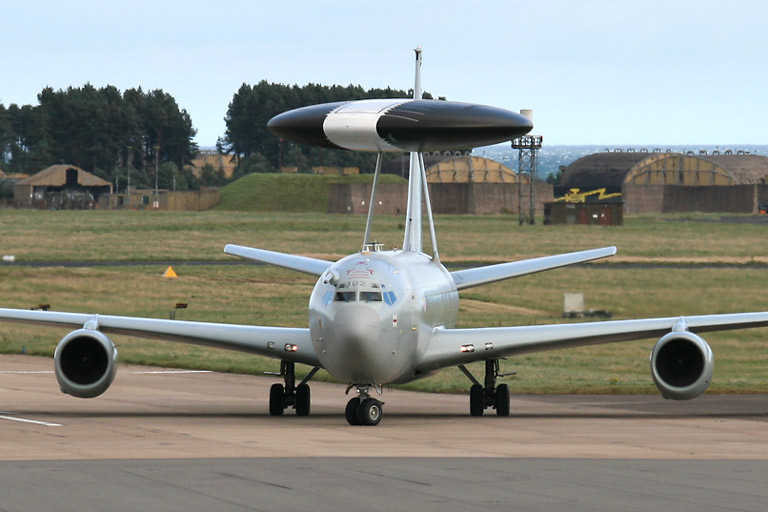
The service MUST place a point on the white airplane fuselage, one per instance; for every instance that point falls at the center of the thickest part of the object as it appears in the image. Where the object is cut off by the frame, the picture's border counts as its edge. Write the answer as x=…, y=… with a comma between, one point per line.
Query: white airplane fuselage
x=372, y=314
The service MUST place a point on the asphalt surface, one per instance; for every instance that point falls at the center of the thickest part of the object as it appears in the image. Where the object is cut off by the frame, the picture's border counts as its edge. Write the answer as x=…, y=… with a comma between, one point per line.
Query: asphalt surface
x=164, y=440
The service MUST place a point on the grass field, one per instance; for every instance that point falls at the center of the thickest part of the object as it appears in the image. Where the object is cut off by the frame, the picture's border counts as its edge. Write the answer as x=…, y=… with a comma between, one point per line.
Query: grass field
x=271, y=296
x=186, y=236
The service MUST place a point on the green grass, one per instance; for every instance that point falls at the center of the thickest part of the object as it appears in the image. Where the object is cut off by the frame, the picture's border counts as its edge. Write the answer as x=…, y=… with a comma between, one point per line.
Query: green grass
x=272, y=296
x=287, y=192
x=184, y=236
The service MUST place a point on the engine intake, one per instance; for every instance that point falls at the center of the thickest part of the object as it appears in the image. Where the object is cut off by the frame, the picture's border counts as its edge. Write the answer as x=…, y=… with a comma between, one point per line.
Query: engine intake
x=682, y=365
x=85, y=363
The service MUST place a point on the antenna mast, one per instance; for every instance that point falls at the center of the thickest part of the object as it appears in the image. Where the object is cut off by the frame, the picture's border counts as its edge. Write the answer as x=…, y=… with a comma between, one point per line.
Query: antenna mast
x=418, y=193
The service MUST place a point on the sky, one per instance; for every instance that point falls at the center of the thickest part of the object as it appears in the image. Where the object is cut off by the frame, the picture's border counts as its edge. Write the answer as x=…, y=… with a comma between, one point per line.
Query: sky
x=604, y=72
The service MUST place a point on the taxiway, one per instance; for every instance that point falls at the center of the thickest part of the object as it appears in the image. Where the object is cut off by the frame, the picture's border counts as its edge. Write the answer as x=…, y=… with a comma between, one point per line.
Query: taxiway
x=205, y=441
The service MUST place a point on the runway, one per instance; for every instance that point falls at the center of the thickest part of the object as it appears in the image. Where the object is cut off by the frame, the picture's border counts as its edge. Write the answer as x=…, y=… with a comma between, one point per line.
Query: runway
x=160, y=439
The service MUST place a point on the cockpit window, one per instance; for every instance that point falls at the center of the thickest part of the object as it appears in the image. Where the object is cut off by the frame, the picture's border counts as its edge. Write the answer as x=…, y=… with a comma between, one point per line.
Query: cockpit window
x=370, y=296
x=346, y=296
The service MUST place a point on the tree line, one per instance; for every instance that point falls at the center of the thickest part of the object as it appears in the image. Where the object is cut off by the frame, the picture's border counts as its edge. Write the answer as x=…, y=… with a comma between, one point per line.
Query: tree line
x=102, y=131
x=115, y=134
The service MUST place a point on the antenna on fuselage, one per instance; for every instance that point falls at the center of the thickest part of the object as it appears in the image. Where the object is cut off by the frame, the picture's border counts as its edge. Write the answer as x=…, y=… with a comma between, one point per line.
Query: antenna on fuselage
x=372, y=204
x=418, y=192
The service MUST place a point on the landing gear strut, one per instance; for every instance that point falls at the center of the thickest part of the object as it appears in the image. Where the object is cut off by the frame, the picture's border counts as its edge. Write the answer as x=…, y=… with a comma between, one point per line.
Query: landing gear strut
x=290, y=395
x=363, y=410
x=488, y=395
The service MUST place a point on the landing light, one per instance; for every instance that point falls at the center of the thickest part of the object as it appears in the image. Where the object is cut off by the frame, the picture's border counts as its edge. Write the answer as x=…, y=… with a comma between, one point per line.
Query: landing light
x=467, y=348
x=291, y=348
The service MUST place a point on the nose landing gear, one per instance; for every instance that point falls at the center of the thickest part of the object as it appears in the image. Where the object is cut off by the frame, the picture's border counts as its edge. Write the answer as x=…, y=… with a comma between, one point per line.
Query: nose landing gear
x=362, y=409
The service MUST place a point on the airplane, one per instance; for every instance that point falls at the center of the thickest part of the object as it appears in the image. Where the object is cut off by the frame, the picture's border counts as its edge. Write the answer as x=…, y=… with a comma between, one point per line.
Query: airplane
x=379, y=317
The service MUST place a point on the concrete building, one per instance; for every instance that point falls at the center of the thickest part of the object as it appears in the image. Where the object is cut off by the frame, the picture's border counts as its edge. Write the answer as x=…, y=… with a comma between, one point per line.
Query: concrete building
x=588, y=214
x=165, y=200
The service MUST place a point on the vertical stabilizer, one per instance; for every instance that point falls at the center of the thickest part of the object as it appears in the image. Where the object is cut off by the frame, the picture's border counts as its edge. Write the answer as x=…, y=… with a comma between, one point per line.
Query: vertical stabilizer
x=412, y=240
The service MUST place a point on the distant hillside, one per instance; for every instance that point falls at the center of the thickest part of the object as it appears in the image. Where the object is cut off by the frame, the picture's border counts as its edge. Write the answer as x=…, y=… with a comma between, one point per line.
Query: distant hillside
x=287, y=192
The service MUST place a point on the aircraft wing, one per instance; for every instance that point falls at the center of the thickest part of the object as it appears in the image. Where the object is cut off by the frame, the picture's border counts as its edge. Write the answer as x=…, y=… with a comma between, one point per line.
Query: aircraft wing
x=491, y=273
x=290, y=344
x=445, y=349
x=304, y=264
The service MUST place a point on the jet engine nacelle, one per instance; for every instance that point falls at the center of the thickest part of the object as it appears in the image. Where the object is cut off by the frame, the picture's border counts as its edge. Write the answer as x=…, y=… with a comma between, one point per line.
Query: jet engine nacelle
x=85, y=363
x=681, y=365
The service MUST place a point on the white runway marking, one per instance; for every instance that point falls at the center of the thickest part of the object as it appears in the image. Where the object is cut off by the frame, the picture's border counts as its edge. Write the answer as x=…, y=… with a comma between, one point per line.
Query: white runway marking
x=160, y=372
x=26, y=371
x=34, y=422
x=147, y=372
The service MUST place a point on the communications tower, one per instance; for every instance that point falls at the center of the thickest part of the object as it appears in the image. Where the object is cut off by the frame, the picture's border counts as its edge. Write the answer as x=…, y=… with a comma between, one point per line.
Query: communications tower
x=528, y=147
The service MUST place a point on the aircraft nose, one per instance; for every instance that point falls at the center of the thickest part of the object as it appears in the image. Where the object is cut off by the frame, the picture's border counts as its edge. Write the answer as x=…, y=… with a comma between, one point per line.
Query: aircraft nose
x=357, y=325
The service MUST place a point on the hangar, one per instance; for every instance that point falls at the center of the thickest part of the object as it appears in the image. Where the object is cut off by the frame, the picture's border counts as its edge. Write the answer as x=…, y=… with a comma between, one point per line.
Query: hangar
x=614, y=169
x=457, y=167
x=472, y=169
x=61, y=187
x=674, y=182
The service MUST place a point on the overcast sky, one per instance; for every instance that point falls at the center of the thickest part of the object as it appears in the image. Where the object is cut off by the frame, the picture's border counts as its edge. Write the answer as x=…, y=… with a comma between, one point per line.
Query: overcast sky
x=594, y=71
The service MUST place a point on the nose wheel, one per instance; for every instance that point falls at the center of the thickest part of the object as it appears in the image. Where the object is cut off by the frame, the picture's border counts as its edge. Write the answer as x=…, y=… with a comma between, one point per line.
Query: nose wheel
x=363, y=410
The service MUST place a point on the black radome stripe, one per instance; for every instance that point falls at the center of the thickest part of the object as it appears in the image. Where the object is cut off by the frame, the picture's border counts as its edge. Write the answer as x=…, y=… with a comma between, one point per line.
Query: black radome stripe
x=305, y=125
x=430, y=125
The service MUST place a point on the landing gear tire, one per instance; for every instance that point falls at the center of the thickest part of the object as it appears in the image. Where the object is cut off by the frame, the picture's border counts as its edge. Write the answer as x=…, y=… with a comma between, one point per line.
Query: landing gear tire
x=276, y=400
x=302, y=400
x=369, y=412
x=351, y=411
x=502, y=400
x=482, y=396
x=476, y=405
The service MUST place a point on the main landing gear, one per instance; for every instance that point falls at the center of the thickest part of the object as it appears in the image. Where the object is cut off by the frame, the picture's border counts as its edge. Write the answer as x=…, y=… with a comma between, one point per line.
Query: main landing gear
x=489, y=395
x=282, y=396
x=363, y=410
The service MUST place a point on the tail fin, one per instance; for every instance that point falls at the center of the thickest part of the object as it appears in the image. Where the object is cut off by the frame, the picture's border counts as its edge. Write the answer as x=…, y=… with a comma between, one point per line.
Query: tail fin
x=418, y=192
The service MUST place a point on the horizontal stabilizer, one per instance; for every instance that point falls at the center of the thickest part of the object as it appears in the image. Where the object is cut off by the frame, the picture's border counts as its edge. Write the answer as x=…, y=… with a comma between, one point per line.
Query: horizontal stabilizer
x=304, y=264
x=492, y=273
